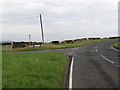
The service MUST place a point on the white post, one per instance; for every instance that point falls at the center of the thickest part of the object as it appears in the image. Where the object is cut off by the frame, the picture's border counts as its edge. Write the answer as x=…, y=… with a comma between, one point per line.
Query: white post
x=11, y=45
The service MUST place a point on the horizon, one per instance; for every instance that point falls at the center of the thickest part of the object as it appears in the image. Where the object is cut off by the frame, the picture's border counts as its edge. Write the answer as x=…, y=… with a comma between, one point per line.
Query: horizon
x=61, y=20
x=61, y=40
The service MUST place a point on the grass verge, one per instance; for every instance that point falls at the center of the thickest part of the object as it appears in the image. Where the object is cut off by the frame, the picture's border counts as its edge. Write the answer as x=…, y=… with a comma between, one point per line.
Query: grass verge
x=59, y=46
x=117, y=45
x=34, y=70
x=5, y=48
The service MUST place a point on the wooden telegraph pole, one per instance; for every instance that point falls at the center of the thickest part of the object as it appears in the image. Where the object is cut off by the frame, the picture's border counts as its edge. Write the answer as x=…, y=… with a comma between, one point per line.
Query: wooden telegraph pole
x=41, y=29
x=29, y=39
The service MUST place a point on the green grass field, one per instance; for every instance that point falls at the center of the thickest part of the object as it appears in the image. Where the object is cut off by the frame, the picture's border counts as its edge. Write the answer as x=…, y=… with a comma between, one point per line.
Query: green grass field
x=117, y=45
x=59, y=46
x=33, y=70
x=5, y=48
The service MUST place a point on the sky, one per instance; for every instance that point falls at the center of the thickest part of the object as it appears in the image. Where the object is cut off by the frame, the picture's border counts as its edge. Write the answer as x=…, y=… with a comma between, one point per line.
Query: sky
x=62, y=19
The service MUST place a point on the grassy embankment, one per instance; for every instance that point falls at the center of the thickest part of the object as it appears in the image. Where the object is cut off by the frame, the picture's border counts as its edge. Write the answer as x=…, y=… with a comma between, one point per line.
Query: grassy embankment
x=117, y=45
x=34, y=70
x=59, y=46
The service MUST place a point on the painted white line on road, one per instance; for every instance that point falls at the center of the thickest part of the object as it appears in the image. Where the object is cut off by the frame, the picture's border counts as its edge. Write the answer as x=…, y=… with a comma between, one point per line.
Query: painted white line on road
x=70, y=77
x=114, y=48
x=96, y=49
x=117, y=65
x=77, y=48
x=73, y=51
x=73, y=48
x=107, y=59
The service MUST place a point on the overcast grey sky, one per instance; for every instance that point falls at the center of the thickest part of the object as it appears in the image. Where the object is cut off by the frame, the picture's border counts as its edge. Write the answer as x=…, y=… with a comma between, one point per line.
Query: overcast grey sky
x=61, y=20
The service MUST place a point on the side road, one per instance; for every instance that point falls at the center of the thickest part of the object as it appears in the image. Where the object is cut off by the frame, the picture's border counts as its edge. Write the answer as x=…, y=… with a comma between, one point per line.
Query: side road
x=67, y=51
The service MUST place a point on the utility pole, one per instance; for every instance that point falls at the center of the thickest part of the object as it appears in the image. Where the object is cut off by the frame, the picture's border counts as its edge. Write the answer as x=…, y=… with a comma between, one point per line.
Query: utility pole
x=11, y=45
x=29, y=39
x=41, y=29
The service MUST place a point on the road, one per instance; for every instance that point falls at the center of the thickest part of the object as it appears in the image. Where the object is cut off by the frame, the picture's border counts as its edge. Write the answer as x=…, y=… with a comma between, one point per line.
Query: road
x=95, y=66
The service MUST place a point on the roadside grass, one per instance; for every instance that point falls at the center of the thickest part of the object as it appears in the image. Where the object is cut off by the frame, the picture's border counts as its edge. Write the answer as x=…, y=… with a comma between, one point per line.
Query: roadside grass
x=33, y=70
x=5, y=48
x=58, y=46
x=117, y=45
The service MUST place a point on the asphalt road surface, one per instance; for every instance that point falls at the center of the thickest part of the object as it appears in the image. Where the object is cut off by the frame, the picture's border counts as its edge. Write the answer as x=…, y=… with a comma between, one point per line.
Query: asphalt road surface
x=96, y=66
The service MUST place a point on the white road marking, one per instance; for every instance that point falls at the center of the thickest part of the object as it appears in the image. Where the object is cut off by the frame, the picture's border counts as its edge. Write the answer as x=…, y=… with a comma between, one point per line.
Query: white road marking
x=117, y=65
x=107, y=59
x=73, y=50
x=96, y=49
x=70, y=77
x=114, y=48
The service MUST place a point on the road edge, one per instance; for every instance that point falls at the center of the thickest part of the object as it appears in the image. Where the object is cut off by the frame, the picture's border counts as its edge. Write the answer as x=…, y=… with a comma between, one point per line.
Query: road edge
x=114, y=48
x=67, y=74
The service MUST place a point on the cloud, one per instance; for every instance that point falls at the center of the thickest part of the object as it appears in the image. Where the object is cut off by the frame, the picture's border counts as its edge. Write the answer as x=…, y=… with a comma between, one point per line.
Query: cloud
x=61, y=20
